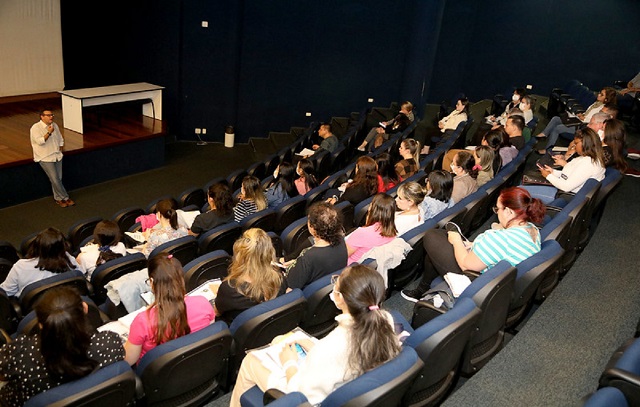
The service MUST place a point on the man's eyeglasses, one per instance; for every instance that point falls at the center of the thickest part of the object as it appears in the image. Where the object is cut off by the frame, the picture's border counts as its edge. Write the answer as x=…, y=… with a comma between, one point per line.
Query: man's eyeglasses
x=49, y=115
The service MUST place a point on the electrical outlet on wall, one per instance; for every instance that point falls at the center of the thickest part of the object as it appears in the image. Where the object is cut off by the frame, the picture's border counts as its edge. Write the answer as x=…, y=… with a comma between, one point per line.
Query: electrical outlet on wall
x=198, y=130
x=308, y=114
x=204, y=131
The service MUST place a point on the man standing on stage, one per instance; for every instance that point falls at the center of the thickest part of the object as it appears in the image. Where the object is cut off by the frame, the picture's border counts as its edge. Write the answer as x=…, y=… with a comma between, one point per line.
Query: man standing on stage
x=46, y=141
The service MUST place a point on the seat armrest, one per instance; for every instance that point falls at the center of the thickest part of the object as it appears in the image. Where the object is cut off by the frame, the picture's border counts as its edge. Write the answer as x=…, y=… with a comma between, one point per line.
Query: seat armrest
x=16, y=307
x=271, y=395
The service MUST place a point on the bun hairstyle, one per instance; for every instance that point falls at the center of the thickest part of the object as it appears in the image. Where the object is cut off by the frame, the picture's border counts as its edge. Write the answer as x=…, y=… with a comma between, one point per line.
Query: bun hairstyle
x=64, y=334
x=372, y=341
x=167, y=209
x=526, y=208
x=168, y=289
x=465, y=160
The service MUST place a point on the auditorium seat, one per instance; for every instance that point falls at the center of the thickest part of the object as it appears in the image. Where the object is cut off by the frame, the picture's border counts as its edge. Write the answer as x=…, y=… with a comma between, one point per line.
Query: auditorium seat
x=126, y=217
x=235, y=178
x=220, y=238
x=8, y=252
x=209, y=266
x=289, y=211
x=80, y=230
x=192, y=196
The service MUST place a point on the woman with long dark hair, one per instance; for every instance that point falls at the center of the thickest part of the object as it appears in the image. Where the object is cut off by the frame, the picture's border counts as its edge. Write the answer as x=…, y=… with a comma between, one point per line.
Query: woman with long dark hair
x=438, y=194
x=46, y=257
x=306, y=180
x=363, y=340
x=283, y=186
x=63, y=350
x=514, y=240
x=613, y=145
x=364, y=185
x=387, y=177
x=220, y=199
x=171, y=315
x=105, y=246
x=379, y=228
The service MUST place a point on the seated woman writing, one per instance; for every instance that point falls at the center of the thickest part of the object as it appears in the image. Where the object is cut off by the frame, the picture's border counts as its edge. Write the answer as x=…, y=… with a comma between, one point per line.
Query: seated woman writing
x=515, y=239
x=364, y=185
x=171, y=315
x=167, y=228
x=64, y=350
x=105, y=246
x=252, y=278
x=363, y=340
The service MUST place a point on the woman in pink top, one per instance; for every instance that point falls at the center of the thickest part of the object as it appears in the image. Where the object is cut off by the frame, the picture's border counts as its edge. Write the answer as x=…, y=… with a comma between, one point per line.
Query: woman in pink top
x=378, y=229
x=171, y=315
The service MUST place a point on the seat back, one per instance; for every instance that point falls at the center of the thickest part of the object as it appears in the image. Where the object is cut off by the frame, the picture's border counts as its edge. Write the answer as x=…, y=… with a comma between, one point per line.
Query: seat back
x=112, y=270
x=184, y=249
x=258, y=170
x=219, y=238
x=258, y=325
x=8, y=252
x=290, y=210
x=295, y=237
x=542, y=266
x=316, y=194
x=8, y=316
x=491, y=292
x=113, y=385
x=360, y=212
x=151, y=206
x=80, y=231
x=607, y=397
x=346, y=211
x=173, y=373
x=440, y=344
x=319, y=318
x=192, y=196
x=383, y=386
x=31, y=293
x=264, y=219
x=235, y=178
x=125, y=218
x=209, y=266
x=623, y=372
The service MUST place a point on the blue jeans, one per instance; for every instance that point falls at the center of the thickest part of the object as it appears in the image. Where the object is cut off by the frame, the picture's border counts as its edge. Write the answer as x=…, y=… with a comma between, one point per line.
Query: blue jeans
x=554, y=129
x=546, y=194
x=54, y=172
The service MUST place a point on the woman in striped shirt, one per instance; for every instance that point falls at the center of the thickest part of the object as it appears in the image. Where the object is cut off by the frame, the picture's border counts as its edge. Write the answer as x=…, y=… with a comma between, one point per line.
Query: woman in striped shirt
x=514, y=239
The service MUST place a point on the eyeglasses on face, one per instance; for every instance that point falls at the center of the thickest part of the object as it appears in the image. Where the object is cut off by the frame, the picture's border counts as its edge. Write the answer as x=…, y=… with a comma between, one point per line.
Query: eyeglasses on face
x=49, y=115
x=496, y=209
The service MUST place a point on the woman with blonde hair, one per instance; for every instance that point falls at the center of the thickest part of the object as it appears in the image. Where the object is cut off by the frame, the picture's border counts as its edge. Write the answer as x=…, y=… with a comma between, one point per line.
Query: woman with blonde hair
x=410, y=163
x=171, y=315
x=252, y=278
x=251, y=198
x=363, y=340
x=410, y=196
x=379, y=228
x=483, y=156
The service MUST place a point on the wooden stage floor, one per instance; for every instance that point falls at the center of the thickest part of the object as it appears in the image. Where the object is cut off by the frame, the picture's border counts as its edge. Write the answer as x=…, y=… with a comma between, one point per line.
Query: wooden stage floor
x=118, y=141
x=105, y=126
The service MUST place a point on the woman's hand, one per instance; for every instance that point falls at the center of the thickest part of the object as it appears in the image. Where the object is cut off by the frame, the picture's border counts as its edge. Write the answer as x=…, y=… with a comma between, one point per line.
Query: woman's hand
x=545, y=171
x=332, y=200
x=580, y=116
x=558, y=159
x=454, y=238
x=440, y=124
x=288, y=353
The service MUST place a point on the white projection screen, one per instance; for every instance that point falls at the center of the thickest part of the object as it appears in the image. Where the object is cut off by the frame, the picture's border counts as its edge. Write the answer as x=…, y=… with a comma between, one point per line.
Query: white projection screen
x=30, y=47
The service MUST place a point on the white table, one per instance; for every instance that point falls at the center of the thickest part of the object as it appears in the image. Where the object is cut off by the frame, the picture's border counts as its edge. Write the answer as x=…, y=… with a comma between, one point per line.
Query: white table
x=74, y=100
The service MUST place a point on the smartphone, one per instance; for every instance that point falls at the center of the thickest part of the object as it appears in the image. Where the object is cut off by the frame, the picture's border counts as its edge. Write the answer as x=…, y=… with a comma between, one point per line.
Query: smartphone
x=300, y=350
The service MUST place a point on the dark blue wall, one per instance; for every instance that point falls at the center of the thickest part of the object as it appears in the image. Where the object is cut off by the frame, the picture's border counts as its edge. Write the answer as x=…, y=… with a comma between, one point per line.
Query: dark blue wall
x=260, y=65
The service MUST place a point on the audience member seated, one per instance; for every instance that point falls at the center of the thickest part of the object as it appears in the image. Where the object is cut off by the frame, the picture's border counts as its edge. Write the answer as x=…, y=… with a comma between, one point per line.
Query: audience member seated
x=464, y=182
x=410, y=164
x=410, y=196
x=514, y=127
x=306, y=180
x=46, y=257
x=252, y=277
x=166, y=230
x=515, y=103
x=283, y=186
x=328, y=253
x=64, y=350
x=329, y=142
x=514, y=239
x=250, y=200
x=448, y=124
x=171, y=315
x=220, y=199
x=387, y=177
x=588, y=164
x=438, y=195
x=363, y=340
x=613, y=144
x=498, y=140
x=364, y=184
x=105, y=246
x=557, y=126
x=396, y=125
x=379, y=228
x=483, y=156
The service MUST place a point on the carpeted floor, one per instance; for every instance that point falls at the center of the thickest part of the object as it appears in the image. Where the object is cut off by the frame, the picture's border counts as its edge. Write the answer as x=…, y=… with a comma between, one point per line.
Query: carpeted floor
x=554, y=360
